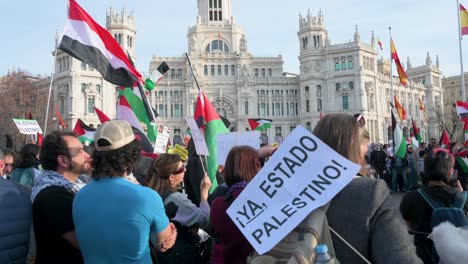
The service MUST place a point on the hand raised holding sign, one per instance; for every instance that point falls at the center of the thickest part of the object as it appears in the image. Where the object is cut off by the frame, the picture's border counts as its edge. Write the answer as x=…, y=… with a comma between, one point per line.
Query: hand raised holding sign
x=205, y=186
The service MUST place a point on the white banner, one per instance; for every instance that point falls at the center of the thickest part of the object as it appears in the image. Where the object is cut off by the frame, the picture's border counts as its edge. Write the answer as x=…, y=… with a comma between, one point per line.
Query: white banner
x=160, y=144
x=197, y=136
x=225, y=142
x=302, y=175
x=27, y=126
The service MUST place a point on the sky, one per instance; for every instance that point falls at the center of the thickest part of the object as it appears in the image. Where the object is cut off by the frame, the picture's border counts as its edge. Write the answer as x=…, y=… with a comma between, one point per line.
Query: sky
x=418, y=27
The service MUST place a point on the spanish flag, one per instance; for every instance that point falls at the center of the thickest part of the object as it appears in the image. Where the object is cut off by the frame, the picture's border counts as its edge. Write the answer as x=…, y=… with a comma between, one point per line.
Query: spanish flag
x=379, y=43
x=401, y=71
x=463, y=20
x=401, y=111
x=422, y=108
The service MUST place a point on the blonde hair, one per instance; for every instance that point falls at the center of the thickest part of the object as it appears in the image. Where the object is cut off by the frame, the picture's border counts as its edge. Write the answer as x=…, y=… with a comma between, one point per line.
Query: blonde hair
x=343, y=133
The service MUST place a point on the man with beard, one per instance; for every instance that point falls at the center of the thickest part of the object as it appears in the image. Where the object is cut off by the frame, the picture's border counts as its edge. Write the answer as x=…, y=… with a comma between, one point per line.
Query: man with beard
x=63, y=160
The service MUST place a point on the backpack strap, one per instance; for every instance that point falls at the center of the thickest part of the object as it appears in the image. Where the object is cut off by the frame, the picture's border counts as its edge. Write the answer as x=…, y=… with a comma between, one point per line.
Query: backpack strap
x=460, y=200
x=433, y=203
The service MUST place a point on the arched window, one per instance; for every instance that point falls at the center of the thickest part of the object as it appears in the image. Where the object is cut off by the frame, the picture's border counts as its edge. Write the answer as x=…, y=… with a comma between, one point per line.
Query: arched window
x=319, y=105
x=306, y=89
x=219, y=70
x=83, y=87
x=226, y=70
x=212, y=70
x=98, y=88
x=351, y=85
x=307, y=106
x=269, y=72
x=263, y=72
x=205, y=70
x=256, y=72
x=233, y=70
x=217, y=45
x=338, y=86
x=319, y=90
x=246, y=107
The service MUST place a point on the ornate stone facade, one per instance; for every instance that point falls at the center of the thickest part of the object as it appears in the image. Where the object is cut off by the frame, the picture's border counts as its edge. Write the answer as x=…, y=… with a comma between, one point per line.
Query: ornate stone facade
x=347, y=77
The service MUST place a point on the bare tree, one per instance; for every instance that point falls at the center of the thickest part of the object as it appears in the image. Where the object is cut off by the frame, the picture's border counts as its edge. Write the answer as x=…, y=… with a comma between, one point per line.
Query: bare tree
x=448, y=121
x=21, y=93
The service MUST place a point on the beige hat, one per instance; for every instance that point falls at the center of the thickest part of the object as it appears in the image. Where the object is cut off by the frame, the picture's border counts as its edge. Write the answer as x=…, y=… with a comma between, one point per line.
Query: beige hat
x=112, y=135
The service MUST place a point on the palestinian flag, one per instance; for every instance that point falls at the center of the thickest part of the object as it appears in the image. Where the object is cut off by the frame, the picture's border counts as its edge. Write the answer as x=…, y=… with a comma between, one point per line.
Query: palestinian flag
x=416, y=133
x=102, y=117
x=465, y=130
x=444, y=141
x=85, y=133
x=209, y=121
x=87, y=41
x=134, y=100
x=461, y=158
x=259, y=123
x=398, y=139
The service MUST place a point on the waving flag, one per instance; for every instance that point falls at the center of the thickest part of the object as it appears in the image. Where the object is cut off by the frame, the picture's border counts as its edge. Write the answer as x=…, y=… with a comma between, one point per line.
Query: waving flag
x=444, y=141
x=422, y=108
x=209, y=121
x=465, y=130
x=160, y=72
x=401, y=111
x=85, y=133
x=90, y=43
x=462, y=109
x=102, y=117
x=463, y=20
x=401, y=71
x=416, y=133
x=379, y=43
x=398, y=139
x=259, y=123
x=60, y=119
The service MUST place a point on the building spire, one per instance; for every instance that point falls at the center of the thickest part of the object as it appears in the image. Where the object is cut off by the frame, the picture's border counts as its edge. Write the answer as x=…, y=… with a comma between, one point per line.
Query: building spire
x=428, y=60
x=408, y=63
x=437, y=61
x=357, y=37
x=373, y=39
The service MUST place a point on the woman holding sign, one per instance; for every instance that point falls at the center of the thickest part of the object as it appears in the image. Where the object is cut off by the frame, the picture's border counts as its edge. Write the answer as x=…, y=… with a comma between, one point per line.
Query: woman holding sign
x=363, y=213
x=242, y=164
x=165, y=176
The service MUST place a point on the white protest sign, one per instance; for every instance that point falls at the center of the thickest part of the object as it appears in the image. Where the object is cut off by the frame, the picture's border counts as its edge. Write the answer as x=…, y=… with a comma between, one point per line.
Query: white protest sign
x=302, y=175
x=197, y=136
x=225, y=142
x=27, y=126
x=160, y=145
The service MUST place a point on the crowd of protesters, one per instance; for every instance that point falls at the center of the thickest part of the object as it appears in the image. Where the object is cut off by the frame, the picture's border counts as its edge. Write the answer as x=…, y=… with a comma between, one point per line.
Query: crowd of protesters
x=68, y=203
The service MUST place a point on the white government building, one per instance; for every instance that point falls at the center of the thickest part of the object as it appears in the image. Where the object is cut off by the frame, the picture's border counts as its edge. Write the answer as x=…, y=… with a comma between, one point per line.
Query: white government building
x=333, y=78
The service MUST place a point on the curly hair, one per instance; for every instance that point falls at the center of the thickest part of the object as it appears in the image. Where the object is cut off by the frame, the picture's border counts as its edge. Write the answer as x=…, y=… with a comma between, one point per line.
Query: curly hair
x=53, y=146
x=116, y=163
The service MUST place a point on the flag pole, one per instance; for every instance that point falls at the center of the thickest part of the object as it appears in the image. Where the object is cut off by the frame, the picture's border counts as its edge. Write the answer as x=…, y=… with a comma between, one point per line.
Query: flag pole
x=191, y=69
x=392, y=93
x=50, y=92
x=461, y=54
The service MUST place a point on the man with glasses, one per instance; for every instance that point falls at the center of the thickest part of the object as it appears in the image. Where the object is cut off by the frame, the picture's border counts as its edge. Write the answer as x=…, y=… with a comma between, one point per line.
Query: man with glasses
x=63, y=160
x=114, y=217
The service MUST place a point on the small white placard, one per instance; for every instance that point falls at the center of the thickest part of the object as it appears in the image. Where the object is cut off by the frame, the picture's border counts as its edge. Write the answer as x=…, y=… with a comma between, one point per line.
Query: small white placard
x=225, y=142
x=160, y=145
x=27, y=126
x=197, y=136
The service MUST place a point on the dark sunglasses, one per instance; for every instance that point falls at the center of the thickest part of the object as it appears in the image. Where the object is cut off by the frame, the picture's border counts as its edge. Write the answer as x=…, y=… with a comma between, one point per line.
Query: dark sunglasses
x=360, y=119
x=181, y=169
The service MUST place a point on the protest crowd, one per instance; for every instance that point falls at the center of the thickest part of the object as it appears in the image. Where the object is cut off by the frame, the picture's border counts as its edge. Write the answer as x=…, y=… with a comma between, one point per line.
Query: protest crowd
x=63, y=202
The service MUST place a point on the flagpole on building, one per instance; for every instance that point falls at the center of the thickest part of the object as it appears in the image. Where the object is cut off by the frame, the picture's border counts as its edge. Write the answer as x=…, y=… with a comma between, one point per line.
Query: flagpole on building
x=50, y=92
x=392, y=93
x=461, y=54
